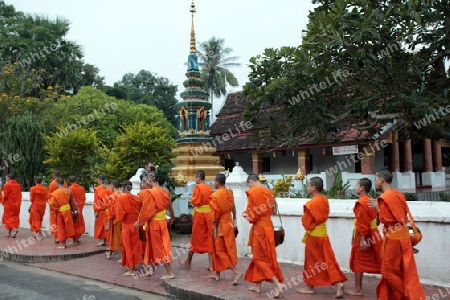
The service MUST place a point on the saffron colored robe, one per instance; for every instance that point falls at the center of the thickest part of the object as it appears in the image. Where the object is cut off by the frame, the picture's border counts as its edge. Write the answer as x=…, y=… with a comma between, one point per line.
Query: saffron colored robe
x=264, y=265
x=59, y=201
x=100, y=207
x=365, y=261
x=79, y=195
x=127, y=212
x=321, y=267
x=399, y=278
x=201, y=239
x=39, y=199
x=51, y=188
x=224, y=252
x=113, y=235
x=155, y=202
x=12, y=199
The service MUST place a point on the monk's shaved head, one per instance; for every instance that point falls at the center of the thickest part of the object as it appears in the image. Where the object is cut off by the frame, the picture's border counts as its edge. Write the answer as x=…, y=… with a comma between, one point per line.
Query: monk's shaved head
x=38, y=180
x=253, y=177
x=316, y=182
x=366, y=184
x=386, y=175
x=59, y=181
x=11, y=176
x=115, y=183
x=200, y=174
x=72, y=179
x=220, y=179
x=127, y=186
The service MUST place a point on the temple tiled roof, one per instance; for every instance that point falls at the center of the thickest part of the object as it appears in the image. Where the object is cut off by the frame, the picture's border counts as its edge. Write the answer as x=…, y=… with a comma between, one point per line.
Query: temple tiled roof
x=230, y=119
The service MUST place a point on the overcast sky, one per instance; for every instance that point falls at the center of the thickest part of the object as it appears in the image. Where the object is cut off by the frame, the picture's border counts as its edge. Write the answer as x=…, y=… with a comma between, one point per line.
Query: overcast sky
x=130, y=35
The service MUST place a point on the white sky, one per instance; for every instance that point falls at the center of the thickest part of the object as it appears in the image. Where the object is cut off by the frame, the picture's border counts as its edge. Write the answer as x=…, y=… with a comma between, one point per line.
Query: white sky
x=130, y=35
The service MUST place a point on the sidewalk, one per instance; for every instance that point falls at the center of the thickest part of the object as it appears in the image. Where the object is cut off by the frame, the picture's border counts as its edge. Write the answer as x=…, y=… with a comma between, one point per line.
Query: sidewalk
x=190, y=283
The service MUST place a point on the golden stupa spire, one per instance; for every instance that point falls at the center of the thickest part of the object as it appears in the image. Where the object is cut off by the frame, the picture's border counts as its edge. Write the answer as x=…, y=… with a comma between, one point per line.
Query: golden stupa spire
x=193, y=48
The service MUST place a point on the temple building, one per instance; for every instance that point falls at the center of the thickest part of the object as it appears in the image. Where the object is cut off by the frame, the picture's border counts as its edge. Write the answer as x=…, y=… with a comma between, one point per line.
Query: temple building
x=193, y=152
x=415, y=166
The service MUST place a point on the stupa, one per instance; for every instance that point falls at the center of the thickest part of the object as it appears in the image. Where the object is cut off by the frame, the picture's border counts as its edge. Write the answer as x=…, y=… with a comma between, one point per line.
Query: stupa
x=195, y=146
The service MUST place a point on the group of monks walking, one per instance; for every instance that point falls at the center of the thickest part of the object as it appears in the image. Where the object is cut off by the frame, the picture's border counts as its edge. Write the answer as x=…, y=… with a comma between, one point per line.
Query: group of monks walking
x=137, y=225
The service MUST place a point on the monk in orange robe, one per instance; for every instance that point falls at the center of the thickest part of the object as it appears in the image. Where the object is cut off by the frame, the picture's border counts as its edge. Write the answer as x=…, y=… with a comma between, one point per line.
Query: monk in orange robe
x=155, y=202
x=264, y=265
x=12, y=199
x=97, y=189
x=201, y=238
x=79, y=195
x=38, y=199
x=366, y=240
x=224, y=252
x=127, y=213
x=113, y=227
x=399, y=278
x=321, y=267
x=100, y=206
x=51, y=188
x=60, y=201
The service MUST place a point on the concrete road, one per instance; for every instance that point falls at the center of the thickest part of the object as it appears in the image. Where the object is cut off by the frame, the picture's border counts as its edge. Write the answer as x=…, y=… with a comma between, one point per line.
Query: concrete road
x=22, y=282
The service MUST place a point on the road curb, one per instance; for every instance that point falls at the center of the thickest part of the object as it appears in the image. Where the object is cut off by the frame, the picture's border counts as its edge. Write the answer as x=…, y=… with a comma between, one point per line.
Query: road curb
x=25, y=258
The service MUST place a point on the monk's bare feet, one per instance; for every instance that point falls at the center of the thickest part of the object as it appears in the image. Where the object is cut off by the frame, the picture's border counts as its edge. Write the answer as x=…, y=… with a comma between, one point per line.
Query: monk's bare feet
x=108, y=254
x=255, y=288
x=167, y=276
x=185, y=263
x=119, y=261
x=100, y=244
x=150, y=272
x=305, y=290
x=236, y=278
x=61, y=247
x=339, y=290
x=129, y=273
x=210, y=269
x=354, y=293
x=215, y=276
x=279, y=289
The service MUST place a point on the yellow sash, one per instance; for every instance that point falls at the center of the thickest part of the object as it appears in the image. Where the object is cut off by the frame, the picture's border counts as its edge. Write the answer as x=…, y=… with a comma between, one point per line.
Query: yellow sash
x=373, y=225
x=64, y=208
x=202, y=209
x=160, y=215
x=319, y=231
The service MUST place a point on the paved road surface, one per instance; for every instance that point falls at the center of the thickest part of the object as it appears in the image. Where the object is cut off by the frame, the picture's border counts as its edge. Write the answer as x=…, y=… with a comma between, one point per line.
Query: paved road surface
x=21, y=282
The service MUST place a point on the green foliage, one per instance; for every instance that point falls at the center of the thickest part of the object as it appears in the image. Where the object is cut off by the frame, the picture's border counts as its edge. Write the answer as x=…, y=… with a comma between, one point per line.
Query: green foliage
x=444, y=196
x=138, y=143
x=92, y=108
x=147, y=88
x=338, y=189
x=411, y=196
x=394, y=54
x=214, y=60
x=22, y=139
x=73, y=154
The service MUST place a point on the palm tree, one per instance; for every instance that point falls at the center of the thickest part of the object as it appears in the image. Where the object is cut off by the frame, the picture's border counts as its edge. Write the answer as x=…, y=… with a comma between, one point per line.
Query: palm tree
x=214, y=61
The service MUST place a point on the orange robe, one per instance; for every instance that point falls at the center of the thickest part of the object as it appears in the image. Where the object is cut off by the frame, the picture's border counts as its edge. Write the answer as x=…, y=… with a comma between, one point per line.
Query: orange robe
x=51, y=188
x=115, y=228
x=38, y=199
x=365, y=261
x=321, y=267
x=264, y=264
x=12, y=199
x=79, y=195
x=201, y=239
x=100, y=206
x=59, y=200
x=155, y=202
x=399, y=278
x=224, y=252
x=127, y=212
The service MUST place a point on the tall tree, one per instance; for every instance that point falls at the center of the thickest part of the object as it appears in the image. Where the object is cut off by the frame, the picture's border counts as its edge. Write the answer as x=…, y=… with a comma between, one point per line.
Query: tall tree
x=147, y=88
x=35, y=44
x=23, y=148
x=362, y=64
x=215, y=60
